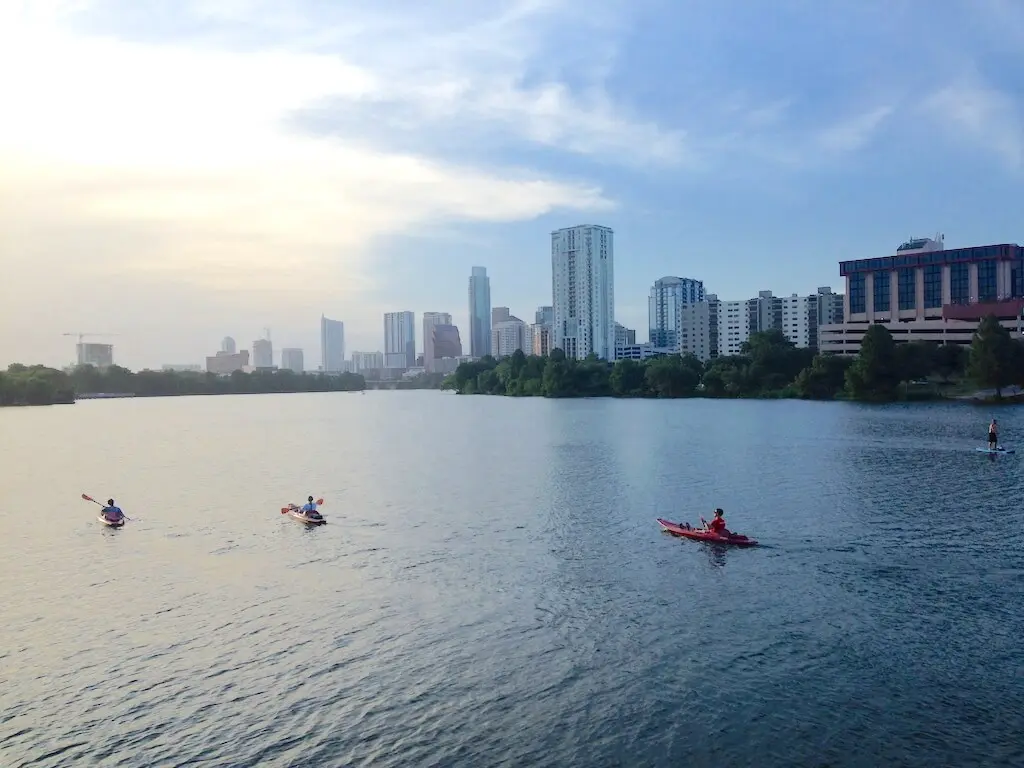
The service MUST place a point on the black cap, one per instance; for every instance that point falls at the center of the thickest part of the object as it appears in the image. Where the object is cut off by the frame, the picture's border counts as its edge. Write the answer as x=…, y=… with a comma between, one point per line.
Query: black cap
x=310, y=498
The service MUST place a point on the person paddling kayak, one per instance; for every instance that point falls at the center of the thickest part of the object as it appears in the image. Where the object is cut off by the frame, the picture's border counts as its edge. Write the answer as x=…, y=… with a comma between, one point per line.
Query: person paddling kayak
x=111, y=511
x=717, y=524
x=309, y=508
x=993, y=435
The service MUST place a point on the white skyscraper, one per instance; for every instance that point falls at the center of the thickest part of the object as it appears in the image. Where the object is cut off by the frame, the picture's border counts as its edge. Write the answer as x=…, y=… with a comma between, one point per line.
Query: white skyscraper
x=430, y=319
x=332, y=345
x=583, y=291
x=399, y=340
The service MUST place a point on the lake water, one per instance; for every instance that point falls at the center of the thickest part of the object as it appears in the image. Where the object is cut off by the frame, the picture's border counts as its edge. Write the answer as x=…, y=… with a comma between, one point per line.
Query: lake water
x=492, y=588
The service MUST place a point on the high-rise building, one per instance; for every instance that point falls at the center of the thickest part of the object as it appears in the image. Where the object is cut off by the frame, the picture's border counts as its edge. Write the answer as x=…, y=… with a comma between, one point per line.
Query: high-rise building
x=544, y=316
x=445, y=343
x=479, y=312
x=227, y=346
x=499, y=315
x=292, y=359
x=507, y=336
x=624, y=336
x=583, y=291
x=668, y=297
x=399, y=340
x=430, y=319
x=694, y=336
x=224, y=363
x=537, y=339
x=799, y=320
x=99, y=355
x=262, y=354
x=332, y=345
x=367, y=361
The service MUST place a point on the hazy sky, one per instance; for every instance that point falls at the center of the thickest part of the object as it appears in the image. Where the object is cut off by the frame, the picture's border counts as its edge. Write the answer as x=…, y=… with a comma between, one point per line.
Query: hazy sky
x=172, y=171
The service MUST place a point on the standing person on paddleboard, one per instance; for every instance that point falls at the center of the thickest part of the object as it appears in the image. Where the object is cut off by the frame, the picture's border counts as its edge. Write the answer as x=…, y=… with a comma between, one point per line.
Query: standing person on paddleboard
x=112, y=512
x=993, y=435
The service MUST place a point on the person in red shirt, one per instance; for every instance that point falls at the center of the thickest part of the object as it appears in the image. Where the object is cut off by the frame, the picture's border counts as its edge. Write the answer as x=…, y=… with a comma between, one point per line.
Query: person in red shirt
x=717, y=524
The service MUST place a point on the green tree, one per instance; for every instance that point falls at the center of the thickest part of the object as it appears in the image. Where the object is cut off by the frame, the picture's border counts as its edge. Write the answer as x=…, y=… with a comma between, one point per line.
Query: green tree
x=874, y=374
x=628, y=379
x=824, y=378
x=674, y=376
x=950, y=360
x=916, y=360
x=995, y=358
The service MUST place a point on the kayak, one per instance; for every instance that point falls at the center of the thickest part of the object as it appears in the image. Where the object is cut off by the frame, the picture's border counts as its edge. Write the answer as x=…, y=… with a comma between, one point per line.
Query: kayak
x=112, y=523
x=298, y=514
x=702, y=534
x=997, y=451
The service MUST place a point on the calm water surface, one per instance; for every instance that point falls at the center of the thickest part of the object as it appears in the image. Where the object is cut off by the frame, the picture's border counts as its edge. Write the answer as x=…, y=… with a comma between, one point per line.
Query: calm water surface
x=492, y=589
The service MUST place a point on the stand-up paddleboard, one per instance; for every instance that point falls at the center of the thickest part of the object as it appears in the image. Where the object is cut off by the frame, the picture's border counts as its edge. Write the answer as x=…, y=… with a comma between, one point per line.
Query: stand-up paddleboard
x=112, y=523
x=1001, y=449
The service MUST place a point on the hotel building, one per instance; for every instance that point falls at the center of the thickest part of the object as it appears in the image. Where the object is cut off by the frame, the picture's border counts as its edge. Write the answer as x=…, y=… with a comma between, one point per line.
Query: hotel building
x=928, y=293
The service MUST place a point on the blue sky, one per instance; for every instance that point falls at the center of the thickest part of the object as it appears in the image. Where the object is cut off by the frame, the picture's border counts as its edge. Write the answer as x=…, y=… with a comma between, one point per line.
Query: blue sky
x=177, y=171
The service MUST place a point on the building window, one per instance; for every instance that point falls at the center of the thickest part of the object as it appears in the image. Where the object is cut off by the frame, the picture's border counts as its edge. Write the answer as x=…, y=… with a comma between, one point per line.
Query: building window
x=986, y=281
x=959, y=284
x=857, y=297
x=1017, y=279
x=906, y=285
x=882, y=292
x=932, y=287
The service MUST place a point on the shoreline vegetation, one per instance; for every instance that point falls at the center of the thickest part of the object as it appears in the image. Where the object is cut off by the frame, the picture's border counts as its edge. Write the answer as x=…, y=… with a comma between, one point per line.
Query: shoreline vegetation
x=39, y=385
x=769, y=367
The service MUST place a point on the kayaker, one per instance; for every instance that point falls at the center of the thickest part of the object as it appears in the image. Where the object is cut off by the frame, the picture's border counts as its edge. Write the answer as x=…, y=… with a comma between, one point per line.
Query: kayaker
x=309, y=508
x=112, y=512
x=993, y=435
x=717, y=524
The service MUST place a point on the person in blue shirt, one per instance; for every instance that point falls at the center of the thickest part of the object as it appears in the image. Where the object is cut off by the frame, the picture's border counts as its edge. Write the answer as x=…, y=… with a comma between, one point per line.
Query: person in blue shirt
x=309, y=508
x=112, y=512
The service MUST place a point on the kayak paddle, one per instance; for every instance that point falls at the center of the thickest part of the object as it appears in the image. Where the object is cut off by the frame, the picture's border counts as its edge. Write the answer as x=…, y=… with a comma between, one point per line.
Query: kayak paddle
x=290, y=507
x=87, y=497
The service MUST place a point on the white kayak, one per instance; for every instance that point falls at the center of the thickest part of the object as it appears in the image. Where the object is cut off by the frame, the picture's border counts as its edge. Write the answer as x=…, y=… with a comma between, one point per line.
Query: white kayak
x=112, y=523
x=298, y=514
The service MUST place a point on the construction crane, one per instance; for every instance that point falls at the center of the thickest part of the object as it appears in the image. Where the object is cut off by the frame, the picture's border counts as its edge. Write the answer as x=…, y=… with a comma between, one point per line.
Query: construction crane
x=83, y=335
x=79, y=350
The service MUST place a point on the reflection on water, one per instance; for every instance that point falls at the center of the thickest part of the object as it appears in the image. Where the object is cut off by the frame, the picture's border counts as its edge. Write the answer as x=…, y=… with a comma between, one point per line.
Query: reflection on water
x=493, y=589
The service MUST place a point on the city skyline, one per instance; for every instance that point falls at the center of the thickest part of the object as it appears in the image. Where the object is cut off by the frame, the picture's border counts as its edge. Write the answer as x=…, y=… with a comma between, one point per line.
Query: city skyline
x=258, y=179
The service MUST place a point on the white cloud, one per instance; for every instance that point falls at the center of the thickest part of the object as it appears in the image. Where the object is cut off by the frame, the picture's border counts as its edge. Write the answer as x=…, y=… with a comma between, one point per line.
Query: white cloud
x=164, y=168
x=981, y=114
x=854, y=132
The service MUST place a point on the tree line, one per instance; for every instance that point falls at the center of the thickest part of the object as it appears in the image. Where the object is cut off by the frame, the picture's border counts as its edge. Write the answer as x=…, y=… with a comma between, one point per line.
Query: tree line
x=768, y=366
x=39, y=385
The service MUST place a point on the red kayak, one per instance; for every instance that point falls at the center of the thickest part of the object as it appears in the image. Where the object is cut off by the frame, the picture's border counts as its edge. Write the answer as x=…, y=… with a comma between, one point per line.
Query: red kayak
x=702, y=534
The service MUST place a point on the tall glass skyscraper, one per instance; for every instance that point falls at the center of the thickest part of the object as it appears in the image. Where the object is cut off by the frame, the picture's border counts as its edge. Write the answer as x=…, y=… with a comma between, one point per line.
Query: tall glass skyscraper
x=332, y=345
x=668, y=297
x=399, y=340
x=479, y=312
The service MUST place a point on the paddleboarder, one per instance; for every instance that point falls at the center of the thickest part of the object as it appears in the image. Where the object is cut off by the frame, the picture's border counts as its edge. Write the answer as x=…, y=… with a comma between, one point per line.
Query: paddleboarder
x=993, y=435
